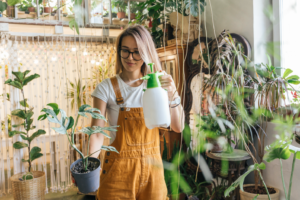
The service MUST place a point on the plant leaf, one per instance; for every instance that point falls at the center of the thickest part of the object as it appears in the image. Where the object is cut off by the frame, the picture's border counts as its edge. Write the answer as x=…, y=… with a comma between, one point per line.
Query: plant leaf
x=12, y=133
x=294, y=77
x=295, y=150
x=19, y=113
x=61, y=130
x=35, y=153
x=36, y=134
x=70, y=123
x=277, y=153
x=19, y=145
x=15, y=84
x=23, y=160
x=286, y=73
x=24, y=104
x=19, y=75
x=30, y=78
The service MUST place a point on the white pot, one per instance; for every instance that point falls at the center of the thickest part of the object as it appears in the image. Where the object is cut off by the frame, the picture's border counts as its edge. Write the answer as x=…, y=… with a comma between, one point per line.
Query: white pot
x=249, y=196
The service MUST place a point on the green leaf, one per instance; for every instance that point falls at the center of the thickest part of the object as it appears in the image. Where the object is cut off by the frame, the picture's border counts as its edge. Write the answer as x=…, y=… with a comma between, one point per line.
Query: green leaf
x=42, y=117
x=109, y=148
x=286, y=73
x=23, y=160
x=277, y=153
x=26, y=72
x=70, y=123
x=295, y=150
x=54, y=106
x=61, y=130
x=24, y=104
x=294, y=82
x=36, y=134
x=72, y=24
x=35, y=153
x=12, y=133
x=28, y=115
x=13, y=2
x=17, y=125
x=15, y=84
x=294, y=77
x=3, y=6
x=24, y=137
x=255, y=198
x=19, y=145
x=83, y=107
x=19, y=75
x=95, y=115
x=30, y=78
x=19, y=113
x=95, y=129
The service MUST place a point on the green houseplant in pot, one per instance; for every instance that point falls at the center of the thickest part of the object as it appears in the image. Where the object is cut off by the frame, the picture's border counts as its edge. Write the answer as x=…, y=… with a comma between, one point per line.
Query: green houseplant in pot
x=86, y=170
x=23, y=183
x=3, y=7
x=121, y=5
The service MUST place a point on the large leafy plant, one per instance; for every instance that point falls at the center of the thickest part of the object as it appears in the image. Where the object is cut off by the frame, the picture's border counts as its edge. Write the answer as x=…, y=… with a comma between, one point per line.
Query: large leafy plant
x=282, y=149
x=121, y=5
x=67, y=126
x=21, y=79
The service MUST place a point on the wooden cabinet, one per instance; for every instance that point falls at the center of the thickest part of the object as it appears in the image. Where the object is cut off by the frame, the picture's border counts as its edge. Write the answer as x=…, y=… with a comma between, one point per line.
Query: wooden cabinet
x=173, y=61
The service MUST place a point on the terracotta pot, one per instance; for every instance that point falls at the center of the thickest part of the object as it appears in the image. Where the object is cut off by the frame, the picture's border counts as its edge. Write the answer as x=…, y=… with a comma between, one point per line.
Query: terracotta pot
x=249, y=196
x=31, y=9
x=48, y=9
x=132, y=16
x=121, y=15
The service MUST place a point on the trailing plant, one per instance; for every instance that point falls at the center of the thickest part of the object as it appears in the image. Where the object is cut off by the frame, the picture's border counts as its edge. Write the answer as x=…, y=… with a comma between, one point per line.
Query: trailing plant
x=21, y=80
x=68, y=123
x=134, y=7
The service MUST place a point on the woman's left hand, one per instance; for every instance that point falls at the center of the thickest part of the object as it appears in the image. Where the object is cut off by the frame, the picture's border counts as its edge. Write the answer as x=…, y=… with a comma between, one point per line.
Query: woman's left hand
x=168, y=84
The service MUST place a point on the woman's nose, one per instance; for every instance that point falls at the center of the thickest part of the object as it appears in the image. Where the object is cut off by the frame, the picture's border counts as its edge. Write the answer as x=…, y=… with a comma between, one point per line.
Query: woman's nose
x=130, y=57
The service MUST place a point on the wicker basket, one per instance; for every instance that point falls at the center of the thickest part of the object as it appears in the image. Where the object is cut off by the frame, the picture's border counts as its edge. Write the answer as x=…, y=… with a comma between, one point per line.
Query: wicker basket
x=33, y=189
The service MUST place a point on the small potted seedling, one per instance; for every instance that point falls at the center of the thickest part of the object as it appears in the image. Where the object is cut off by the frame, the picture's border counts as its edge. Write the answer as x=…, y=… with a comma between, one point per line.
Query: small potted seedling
x=86, y=170
x=31, y=183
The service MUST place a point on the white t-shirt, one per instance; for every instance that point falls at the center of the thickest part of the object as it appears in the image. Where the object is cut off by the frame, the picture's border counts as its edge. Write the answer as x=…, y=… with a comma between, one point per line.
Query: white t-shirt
x=132, y=97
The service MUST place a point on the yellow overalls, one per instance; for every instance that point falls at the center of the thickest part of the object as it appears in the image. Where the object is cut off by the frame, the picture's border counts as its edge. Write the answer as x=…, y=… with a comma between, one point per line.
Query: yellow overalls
x=136, y=173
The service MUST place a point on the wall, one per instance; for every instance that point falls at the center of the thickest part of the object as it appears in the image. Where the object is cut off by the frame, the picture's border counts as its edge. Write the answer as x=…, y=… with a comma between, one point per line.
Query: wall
x=244, y=17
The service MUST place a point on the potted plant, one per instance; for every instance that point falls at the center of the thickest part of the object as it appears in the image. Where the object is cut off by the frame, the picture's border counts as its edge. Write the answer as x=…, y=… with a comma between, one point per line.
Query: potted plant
x=27, y=5
x=133, y=9
x=121, y=6
x=11, y=7
x=215, y=135
x=47, y=6
x=32, y=183
x=86, y=170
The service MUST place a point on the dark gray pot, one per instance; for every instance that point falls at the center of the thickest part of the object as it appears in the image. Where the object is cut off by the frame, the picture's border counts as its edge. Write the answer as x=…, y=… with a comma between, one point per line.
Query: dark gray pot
x=88, y=182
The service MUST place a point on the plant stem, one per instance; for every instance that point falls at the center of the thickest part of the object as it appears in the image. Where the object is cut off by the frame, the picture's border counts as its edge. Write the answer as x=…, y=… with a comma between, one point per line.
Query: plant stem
x=283, y=183
x=262, y=180
x=88, y=148
x=291, y=178
x=24, y=99
x=29, y=161
x=73, y=131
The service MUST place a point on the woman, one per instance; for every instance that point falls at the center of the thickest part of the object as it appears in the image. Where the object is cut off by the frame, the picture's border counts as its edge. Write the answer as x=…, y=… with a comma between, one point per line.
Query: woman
x=137, y=171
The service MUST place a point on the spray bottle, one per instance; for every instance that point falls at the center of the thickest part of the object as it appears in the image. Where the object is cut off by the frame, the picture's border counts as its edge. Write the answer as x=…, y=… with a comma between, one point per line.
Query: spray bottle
x=155, y=101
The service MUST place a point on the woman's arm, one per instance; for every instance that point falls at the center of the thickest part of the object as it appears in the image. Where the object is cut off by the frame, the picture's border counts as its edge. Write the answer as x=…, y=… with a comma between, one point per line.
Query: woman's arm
x=177, y=115
x=97, y=139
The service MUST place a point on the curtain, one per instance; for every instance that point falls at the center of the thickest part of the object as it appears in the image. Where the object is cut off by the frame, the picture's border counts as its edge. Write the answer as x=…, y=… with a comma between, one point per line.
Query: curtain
x=69, y=69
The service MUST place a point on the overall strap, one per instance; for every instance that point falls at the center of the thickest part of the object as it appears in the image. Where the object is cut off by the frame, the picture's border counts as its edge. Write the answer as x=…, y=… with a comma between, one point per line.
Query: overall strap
x=115, y=84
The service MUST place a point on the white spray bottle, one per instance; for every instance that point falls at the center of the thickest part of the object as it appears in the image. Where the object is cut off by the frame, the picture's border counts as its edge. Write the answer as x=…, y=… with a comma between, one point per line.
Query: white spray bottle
x=155, y=102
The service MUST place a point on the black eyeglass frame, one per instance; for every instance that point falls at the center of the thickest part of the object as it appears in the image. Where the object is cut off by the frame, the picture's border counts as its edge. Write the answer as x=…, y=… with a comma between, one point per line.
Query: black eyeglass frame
x=128, y=54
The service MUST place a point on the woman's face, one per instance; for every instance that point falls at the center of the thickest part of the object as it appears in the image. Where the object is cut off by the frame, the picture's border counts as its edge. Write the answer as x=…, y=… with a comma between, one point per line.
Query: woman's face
x=134, y=61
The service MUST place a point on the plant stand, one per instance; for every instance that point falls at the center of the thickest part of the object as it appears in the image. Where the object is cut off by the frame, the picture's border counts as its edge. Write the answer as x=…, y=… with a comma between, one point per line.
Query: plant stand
x=236, y=161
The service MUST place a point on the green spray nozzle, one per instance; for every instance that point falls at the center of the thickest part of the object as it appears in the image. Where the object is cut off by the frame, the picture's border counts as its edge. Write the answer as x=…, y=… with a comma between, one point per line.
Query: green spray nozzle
x=153, y=78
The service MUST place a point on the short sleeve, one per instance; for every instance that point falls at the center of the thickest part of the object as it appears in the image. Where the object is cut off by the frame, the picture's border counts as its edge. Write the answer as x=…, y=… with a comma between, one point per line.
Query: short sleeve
x=102, y=90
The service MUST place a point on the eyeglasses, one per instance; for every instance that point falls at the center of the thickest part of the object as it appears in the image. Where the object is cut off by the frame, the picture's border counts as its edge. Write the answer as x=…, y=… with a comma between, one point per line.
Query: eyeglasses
x=124, y=53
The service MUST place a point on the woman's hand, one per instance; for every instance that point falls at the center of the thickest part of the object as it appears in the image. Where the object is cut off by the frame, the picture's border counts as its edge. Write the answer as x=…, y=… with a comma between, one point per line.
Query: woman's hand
x=168, y=84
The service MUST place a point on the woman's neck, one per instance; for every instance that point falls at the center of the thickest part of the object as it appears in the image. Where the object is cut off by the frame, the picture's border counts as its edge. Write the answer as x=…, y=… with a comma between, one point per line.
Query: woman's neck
x=131, y=78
